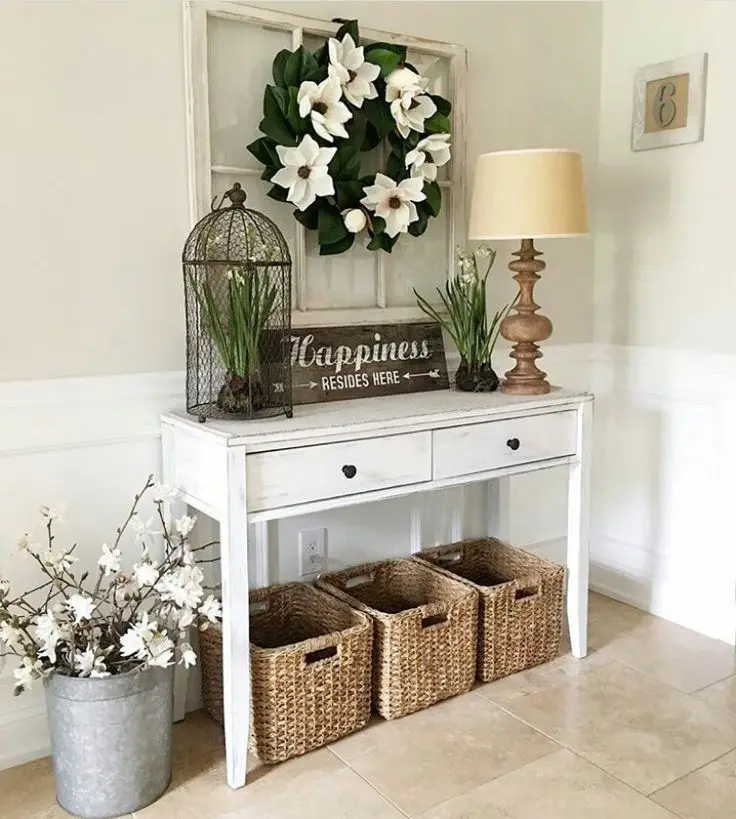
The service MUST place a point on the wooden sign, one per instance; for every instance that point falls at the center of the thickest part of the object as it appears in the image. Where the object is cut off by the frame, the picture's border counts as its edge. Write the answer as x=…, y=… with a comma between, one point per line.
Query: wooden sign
x=339, y=363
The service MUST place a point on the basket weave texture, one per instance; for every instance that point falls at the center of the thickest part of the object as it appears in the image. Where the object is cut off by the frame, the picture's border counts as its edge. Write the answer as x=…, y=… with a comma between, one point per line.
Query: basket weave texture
x=425, y=631
x=521, y=602
x=310, y=660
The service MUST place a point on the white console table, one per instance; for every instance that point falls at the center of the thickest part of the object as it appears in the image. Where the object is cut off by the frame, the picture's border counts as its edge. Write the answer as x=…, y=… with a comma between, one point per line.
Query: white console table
x=352, y=452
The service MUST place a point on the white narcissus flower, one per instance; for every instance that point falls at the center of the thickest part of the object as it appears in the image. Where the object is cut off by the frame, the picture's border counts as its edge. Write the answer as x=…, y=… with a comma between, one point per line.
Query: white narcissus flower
x=408, y=101
x=431, y=153
x=146, y=573
x=10, y=637
x=211, y=609
x=81, y=607
x=349, y=68
x=89, y=664
x=185, y=524
x=394, y=202
x=26, y=673
x=355, y=219
x=160, y=650
x=305, y=172
x=321, y=103
x=109, y=562
x=188, y=657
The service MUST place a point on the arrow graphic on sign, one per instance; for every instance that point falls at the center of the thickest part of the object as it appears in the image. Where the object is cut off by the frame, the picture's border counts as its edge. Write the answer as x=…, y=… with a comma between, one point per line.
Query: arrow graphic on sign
x=279, y=385
x=430, y=373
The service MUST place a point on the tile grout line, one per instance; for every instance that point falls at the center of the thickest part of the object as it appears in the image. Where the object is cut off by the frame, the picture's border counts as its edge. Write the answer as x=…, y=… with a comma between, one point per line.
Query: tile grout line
x=369, y=783
x=690, y=773
x=710, y=685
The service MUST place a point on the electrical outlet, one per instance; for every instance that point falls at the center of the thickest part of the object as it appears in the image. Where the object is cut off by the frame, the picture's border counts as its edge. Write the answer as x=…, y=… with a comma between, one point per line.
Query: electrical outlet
x=312, y=551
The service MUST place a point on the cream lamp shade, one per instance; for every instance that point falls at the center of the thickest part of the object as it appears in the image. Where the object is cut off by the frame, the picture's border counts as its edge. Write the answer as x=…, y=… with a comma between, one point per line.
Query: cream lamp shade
x=534, y=194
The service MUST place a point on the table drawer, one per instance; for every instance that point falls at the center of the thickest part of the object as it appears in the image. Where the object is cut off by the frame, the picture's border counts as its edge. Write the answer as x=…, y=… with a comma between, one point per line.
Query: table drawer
x=480, y=447
x=311, y=473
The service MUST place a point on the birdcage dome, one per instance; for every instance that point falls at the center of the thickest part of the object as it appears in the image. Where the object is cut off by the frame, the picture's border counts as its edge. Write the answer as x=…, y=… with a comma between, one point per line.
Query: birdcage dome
x=236, y=235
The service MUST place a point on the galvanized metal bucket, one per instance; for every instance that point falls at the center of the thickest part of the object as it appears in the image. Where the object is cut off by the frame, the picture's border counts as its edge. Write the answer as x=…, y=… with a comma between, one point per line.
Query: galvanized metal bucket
x=110, y=740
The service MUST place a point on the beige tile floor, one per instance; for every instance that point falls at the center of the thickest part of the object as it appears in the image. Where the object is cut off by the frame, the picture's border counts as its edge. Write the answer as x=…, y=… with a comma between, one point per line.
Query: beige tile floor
x=644, y=728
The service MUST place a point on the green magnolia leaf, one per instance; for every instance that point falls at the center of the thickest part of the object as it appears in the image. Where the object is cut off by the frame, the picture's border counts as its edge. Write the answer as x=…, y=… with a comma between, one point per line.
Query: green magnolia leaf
x=279, y=64
x=382, y=241
x=418, y=227
x=275, y=102
x=444, y=106
x=346, y=163
x=264, y=150
x=395, y=47
x=337, y=247
x=356, y=129
x=268, y=174
x=300, y=66
x=348, y=193
x=278, y=193
x=296, y=123
x=331, y=227
x=396, y=167
x=309, y=217
x=379, y=115
x=434, y=197
x=278, y=130
x=372, y=138
x=348, y=27
x=437, y=124
x=386, y=60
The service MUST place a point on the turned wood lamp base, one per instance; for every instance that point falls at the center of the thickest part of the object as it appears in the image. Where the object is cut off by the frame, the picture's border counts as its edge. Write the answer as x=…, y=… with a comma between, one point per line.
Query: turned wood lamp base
x=526, y=327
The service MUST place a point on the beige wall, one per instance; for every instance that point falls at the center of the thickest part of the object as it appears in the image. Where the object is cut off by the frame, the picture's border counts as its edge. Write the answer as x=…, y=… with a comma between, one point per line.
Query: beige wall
x=663, y=273
x=93, y=168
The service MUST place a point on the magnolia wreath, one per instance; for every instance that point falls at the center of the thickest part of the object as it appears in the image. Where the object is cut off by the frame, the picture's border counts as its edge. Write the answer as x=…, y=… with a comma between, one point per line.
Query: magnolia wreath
x=325, y=111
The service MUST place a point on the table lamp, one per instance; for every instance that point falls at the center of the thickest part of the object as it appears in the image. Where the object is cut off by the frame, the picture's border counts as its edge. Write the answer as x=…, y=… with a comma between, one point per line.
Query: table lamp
x=527, y=195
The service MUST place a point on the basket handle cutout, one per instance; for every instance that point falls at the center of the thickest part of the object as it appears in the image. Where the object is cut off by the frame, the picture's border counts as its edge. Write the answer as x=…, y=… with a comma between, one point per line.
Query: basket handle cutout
x=451, y=557
x=527, y=592
x=359, y=580
x=259, y=607
x=433, y=620
x=320, y=654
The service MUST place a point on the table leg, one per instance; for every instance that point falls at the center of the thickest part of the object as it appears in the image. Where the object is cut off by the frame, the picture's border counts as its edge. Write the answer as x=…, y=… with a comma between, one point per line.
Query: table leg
x=235, y=621
x=497, y=522
x=578, y=534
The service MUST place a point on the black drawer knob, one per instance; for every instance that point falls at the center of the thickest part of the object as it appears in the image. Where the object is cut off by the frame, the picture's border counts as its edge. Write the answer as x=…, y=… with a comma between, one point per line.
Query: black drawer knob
x=513, y=443
x=349, y=471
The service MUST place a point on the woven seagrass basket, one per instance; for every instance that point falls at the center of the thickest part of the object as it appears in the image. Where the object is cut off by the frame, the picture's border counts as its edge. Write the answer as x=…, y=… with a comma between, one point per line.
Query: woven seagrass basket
x=425, y=631
x=521, y=602
x=310, y=660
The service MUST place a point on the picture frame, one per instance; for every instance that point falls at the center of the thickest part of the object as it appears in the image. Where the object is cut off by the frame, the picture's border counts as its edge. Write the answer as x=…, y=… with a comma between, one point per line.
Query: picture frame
x=669, y=103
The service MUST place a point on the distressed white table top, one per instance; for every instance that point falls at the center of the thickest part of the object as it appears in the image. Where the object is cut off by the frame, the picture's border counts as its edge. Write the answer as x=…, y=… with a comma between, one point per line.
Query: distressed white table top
x=367, y=415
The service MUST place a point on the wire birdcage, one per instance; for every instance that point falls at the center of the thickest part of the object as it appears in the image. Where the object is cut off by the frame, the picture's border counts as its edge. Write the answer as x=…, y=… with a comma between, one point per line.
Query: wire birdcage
x=237, y=284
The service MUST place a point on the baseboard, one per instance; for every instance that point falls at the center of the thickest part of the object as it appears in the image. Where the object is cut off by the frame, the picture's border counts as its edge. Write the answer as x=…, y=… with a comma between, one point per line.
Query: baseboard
x=24, y=733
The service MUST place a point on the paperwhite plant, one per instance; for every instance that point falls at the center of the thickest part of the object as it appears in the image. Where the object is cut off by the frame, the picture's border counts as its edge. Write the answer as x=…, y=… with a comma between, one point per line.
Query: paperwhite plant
x=111, y=620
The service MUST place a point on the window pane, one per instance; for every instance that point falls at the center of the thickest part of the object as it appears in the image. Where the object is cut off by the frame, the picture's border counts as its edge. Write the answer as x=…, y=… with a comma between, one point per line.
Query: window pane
x=345, y=280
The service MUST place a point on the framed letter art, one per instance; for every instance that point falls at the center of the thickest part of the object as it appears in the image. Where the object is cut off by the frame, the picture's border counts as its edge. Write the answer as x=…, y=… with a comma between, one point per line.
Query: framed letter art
x=669, y=103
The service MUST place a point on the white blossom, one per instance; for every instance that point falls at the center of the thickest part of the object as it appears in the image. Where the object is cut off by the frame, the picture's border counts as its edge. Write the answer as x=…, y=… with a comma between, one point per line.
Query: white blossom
x=88, y=663
x=355, y=219
x=305, y=172
x=134, y=641
x=188, y=657
x=431, y=153
x=349, y=68
x=394, y=202
x=109, y=562
x=211, y=609
x=26, y=673
x=58, y=562
x=4, y=587
x=185, y=524
x=321, y=103
x=26, y=545
x=186, y=619
x=484, y=251
x=48, y=631
x=162, y=492
x=146, y=573
x=125, y=589
x=160, y=649
x=144, y=530
x=10, y=636
x=54, y=513
x=81, y=607
x=408, y=101
x=182, y=586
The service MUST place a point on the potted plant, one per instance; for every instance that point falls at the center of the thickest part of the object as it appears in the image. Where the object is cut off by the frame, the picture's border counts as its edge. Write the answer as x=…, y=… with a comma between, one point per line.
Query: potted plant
x=236, y=320
x=104, y=643
x=464, y=316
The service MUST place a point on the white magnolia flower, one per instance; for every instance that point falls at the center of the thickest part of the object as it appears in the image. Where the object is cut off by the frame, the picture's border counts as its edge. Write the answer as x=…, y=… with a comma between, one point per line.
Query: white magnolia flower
x=182, y=586
x=186, y=619
x=109, y=562
x=48, y=631
x=394, y=201
x=26, y=673
x=188, y=657
x=133, y=643
x=355, y=219
x=58, y=562
x=160, y=651
x=89, y=664
x=349, y=68
x=10, y=637
x=144, y=530
x=81, y=607
x=305, y=172
x=25, y=544
x=322, y=104
x=125, y=589
x=431, y=153
x=211, y=609
x=162, y=492
x=52, y=513
x=408, y=101
x=146, y=573
x=185, y=524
